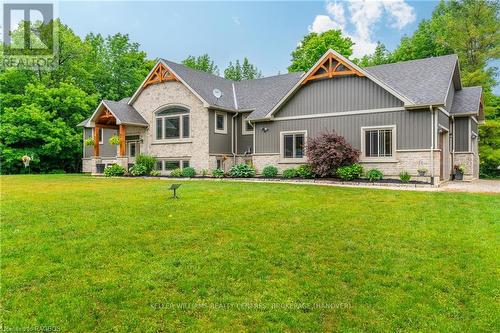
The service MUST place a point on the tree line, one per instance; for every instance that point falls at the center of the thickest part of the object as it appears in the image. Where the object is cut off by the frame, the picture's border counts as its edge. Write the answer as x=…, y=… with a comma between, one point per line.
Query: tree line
x=39, y=110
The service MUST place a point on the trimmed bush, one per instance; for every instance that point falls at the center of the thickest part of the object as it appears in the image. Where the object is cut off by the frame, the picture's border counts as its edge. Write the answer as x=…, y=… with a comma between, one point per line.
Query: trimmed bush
x=114, y=170
x=188, y=172
x=404, y=176
x=149, y=162
x=329, y=151
x=289, y=173
x=374, y=174
x=270, y=171
x=218, y=173
x=242, y=171
x=155, y=173
x=176, y=173
x=305, y=171
x=138, y=170
x=350, y=172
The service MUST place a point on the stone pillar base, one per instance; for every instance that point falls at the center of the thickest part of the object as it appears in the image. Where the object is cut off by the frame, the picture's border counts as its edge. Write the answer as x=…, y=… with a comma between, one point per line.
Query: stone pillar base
x=122, y=161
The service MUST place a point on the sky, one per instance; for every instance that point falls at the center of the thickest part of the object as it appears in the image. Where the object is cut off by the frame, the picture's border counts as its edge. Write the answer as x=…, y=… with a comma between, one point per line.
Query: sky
x=264, y=32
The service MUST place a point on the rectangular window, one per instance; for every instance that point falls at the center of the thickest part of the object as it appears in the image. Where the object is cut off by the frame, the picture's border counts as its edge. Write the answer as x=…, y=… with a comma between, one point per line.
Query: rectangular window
x=159, y=165
x=159, y=128
x=220, y=123
x=185, y=126
x=378, y=142
x=246, y=127
x=293, y=145
x=185, y=164
x=172, y=129
x=171, y=165
x=131, y=149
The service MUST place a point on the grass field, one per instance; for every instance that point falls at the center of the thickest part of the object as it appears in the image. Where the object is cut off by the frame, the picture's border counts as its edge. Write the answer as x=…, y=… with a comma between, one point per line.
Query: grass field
x=94, y=254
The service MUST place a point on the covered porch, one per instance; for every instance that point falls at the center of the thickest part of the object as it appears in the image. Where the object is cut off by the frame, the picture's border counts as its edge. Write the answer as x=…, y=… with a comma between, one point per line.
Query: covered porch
x=109, y=120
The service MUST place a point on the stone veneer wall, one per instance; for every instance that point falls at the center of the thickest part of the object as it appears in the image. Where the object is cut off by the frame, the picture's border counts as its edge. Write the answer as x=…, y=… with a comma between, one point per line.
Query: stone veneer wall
x=87, y=164
x=175, y=93
x=468, y=160
x=407, y=161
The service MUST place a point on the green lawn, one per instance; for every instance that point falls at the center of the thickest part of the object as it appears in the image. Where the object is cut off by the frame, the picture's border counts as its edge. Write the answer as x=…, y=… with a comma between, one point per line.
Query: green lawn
x=95, y=254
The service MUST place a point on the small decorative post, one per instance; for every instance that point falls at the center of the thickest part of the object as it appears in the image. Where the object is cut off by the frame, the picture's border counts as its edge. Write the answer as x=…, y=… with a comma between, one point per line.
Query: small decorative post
x=121, y=129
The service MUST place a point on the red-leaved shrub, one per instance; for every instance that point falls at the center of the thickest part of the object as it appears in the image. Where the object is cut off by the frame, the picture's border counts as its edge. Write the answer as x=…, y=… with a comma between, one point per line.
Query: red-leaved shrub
x=329, y=151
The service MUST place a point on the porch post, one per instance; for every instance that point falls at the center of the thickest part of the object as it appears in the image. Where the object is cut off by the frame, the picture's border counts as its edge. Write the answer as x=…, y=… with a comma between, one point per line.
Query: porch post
x=96, y=141
x=121, y=129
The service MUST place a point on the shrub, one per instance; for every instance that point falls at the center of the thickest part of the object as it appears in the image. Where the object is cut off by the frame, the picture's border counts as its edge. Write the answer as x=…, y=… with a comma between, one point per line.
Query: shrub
x=188, y=172
x=155, y=173
x=459, y=168
x=204, y=172
x=404, y=176
x=305, y=171
x=270, y=171
x=176, y=173
x=350, y=172
x=149, y=162
x=242, y=171
x=289, y=173
x=114, y=171
x=374, y=174
x=218, y=173
x=138, y=170
x=89, y=141
x=114, y=140
x=329, y=151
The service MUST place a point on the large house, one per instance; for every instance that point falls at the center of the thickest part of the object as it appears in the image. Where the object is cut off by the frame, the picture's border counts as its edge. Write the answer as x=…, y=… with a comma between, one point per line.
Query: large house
x=404, y=116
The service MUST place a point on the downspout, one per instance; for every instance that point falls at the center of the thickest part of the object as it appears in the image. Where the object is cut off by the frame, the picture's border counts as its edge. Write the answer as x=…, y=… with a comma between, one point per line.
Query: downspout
x=432, y=143
x=453, y=141
x=234, y=141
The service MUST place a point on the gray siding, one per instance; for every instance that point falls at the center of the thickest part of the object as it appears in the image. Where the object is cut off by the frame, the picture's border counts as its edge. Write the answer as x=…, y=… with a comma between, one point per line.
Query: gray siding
x=105, y=149
x=244, y=141
x=337, y=95
x=449, y=98
x=413, y=129
x=219, y=143
x=443, y=119
x=462, y=134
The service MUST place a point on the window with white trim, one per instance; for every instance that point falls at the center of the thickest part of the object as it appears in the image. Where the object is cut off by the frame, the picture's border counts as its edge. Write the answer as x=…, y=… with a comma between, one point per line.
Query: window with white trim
x=220, y=122
x=378, y=142
x=246, y=126
x=172, y=123
x=169, y=165
x=293, y=145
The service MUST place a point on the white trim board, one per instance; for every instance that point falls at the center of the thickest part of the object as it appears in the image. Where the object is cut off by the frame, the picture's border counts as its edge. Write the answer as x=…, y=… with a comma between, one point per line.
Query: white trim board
x=337, y=114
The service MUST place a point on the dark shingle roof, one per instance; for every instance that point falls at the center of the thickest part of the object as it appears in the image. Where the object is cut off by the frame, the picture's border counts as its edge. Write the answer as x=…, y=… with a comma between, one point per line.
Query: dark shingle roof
x=466, y=101
x=125, y=113
x=262, y=95
x=423, y=81
x=205, y=83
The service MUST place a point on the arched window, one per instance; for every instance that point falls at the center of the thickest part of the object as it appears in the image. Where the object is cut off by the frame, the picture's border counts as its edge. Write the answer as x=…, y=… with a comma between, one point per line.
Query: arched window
x=172, y=123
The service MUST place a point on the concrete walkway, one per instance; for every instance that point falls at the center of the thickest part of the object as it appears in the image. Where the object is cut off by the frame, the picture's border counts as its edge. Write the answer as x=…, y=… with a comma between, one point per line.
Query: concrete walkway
x=479, y=185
